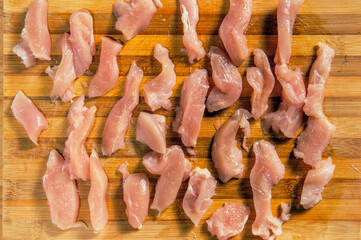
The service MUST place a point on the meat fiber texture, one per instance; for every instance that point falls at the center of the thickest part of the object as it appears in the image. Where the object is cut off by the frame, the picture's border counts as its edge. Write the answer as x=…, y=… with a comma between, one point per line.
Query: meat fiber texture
x=119, y=117
x=190, y=17
x=151, y=130
x=107, y=74
x=226, y=156
x=267, y=171
x=36, y=42
x=227, y=80
x=228, y=220
x=29, y=116
x=198, y=197
x=134, y=16
x=158, y=91
x=233, y=28
x=81, y=120
x=191, y=107
x=135, y=195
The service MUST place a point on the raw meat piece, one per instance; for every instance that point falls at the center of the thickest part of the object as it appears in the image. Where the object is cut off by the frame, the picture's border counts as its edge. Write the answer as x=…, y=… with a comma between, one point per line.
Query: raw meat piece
x=190, y=17
x=61, y=193
x=82, y=40
x=107, y=74
x=158, y=91
x=226, y=156
x=191, y=107
x=227, y=80
x=135, y=195
x=28, y=115
x=228, y=220
x=233, y=28
x=36, y=42
x=315, y=182
x=134, y=16
x=198, y=197
x=119, y=117
x=267, y=171
x=81, y=120
x=261, y=79
x=151, y=130
x=98, y=189
x=285, y=214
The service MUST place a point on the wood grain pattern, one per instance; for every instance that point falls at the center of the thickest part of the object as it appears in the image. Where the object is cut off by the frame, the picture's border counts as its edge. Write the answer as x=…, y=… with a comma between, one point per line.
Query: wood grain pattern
x=337, y=216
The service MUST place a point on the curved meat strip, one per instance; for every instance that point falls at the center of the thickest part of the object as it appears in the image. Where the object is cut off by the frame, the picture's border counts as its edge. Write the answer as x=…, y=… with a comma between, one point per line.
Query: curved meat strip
x=24, y=52
x=227, y=80
x=119, y=117
x=261, y=79
x=226, y=156
x=233, y=28
x=191, y=107
x=198, y=197
x=28, y=115
x=190, y=17
x=107, y=74
x=155, y=163
x=158, y=91
x=267, y=171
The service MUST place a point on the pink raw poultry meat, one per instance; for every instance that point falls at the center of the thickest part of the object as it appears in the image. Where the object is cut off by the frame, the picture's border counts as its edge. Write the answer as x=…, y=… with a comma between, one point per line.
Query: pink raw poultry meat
x=158, y=91
x=107, y=74
x=36, y=42
x=191, y=107
x=119, y=117
x=190, y=17
x=227, y=80
x=198, y=197
x=233, y=28
x=28, y=115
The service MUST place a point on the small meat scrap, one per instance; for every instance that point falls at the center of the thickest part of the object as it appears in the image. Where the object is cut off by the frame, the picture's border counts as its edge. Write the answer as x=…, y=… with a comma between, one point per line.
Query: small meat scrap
x=134, y=16
x=285, y=214
x=226, y=156
x=233, y=28
x=135, y=195
x=29, y=116
x=228, y=220
x=107, y=74
x=190, y=17
x=198, y=197
x=151, y=130
x=191, y=107
x=36, y=42
x=227, y=80
x=158, y=91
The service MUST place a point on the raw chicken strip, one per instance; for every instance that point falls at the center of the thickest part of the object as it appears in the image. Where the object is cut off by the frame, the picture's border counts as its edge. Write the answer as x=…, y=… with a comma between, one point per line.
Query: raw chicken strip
x=228, y=220
x=151, y=130
x=61, y=192
x=191, y=107
x=233, y=28
x=81, y=120
x=267, y=171
x=315, y=182
x=28, y=115
x=134, y=16
x=190, y=17
x=107, y=74
x=135, y=195
x=226, y=156
x=227, y=80
x=119, y=117
x=98, y=189
x=261, y=79
x=82, y=40
x=198, y=197
x=158, y=91
x=285, y=214
x=36, y=42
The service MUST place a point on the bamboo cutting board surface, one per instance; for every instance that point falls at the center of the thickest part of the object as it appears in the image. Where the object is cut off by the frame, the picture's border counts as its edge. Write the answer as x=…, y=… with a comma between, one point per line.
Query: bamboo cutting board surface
x=337, y=216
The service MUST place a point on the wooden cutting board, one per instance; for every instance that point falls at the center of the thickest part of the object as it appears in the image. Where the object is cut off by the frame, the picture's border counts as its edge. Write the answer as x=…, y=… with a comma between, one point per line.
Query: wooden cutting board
x=337, y=216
